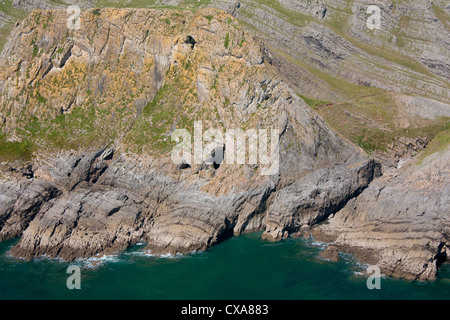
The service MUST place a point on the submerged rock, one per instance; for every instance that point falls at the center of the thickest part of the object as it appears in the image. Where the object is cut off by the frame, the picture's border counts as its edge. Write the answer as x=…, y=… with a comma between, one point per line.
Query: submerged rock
x=330, y=253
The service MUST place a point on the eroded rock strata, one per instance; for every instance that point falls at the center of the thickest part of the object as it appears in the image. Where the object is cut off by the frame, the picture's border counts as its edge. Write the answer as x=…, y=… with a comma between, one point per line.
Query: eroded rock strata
x=400, y=222
x=99, y=105
x=85, y=203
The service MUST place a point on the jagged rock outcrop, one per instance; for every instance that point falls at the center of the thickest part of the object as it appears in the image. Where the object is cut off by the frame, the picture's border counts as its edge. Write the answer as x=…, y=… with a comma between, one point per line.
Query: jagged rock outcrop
x=312, y=199
x=104, y=200
x=26, y=207
x=400, y=222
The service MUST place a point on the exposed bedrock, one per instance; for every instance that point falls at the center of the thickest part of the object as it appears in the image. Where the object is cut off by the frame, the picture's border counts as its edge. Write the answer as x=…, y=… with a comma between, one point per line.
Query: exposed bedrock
x=400, y=222
x=129, y=203
x=102, y=178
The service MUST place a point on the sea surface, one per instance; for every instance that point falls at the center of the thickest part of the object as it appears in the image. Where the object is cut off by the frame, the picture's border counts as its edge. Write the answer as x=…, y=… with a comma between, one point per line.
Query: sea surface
x=244, y=267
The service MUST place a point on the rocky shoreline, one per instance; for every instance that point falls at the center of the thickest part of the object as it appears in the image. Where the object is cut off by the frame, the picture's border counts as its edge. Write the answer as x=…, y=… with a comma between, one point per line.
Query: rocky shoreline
x=79, y=218
x=116, y=185
x=400, y=222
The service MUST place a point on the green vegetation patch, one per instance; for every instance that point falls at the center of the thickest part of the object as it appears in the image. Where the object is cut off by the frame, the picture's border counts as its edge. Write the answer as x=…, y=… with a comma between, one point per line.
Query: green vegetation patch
x=312, y=102
x=15, y=150
x=7, y=8
x=370, y=120
x=151, y=130
x=440, y=142
x=441, y=15
x=227, y=40
x=294, y=17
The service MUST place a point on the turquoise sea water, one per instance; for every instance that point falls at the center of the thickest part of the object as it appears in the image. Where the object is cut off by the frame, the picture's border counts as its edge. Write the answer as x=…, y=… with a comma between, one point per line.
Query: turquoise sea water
x=244, y=267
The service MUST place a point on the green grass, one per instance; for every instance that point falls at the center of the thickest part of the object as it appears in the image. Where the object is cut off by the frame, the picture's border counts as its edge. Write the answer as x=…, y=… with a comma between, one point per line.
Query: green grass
x=4, y=34
x=35, y=50
x=17, y=14
x=312, y=102
x=440, y=142
x=155, y=120
x=187, y=4
x=83, y=127
x=227, y=40
x=194, y=4
x=367, y=145
x=11, y=151
x=125, y=4
x=294, y=17
x=369, y=120
x=7, y=7
x=40, y=98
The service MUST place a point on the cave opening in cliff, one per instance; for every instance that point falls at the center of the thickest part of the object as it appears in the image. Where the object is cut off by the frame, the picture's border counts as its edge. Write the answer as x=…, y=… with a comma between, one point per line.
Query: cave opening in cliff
x=191, y=41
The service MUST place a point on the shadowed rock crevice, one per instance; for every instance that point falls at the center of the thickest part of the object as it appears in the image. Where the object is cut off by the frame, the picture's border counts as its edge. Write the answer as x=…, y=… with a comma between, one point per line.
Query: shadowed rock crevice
x=190, y=41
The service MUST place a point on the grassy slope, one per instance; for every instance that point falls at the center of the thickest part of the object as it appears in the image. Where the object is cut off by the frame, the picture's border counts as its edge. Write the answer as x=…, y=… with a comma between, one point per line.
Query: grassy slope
x=440, y=142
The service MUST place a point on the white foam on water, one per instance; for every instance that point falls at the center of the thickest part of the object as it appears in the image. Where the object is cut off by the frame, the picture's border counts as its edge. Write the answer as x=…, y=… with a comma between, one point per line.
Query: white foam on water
x=319, y=244
x=48, y=258
x=148, y=253
x=94, y=262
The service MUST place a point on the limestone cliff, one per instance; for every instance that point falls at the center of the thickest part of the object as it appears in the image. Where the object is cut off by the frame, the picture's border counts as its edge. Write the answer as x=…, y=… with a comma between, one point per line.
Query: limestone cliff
x=87, y=118
x=98, y=106
x=363, y=82
x=401, y=222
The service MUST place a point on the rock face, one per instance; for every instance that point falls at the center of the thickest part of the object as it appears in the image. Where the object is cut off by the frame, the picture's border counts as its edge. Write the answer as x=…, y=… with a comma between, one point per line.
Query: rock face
x=332, y=36
x=312, y=199
x=89, y=199
x=325, y=50
x=26, y=207
x=99, y=106
x=400, y=222
x=126, y=205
